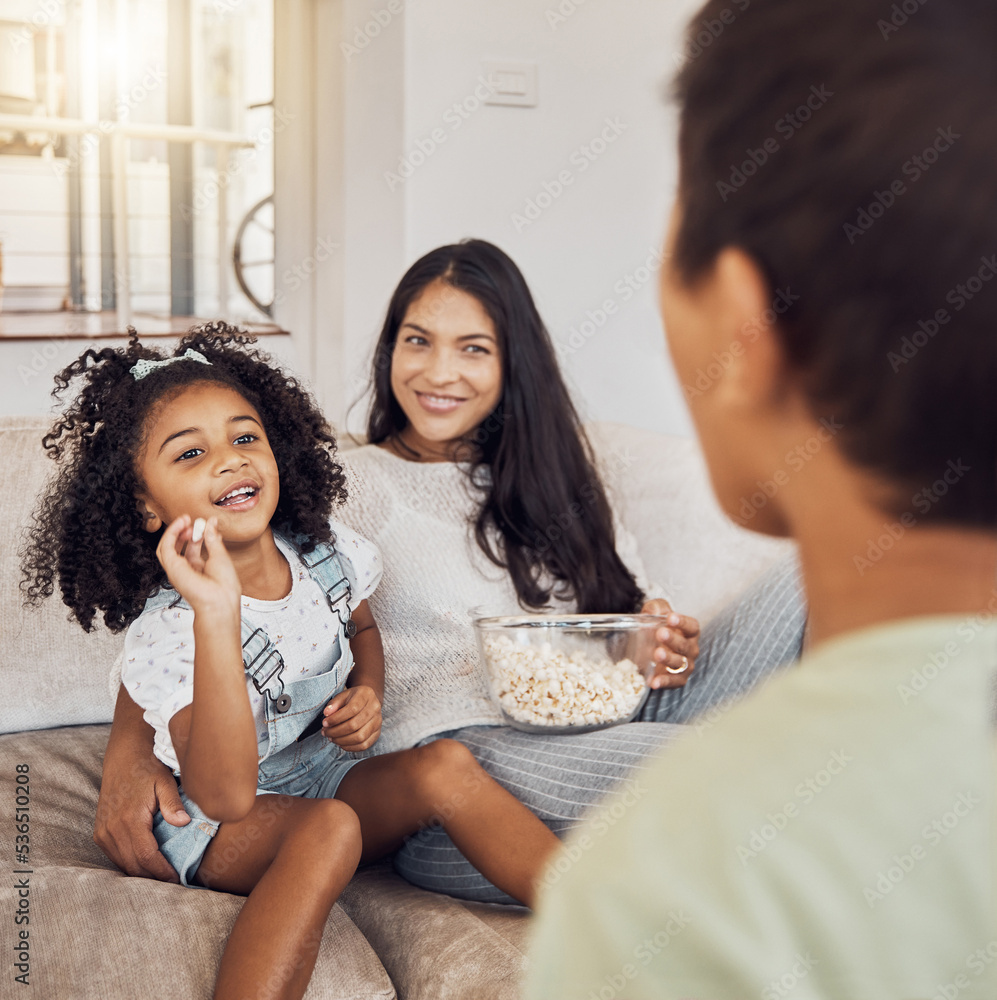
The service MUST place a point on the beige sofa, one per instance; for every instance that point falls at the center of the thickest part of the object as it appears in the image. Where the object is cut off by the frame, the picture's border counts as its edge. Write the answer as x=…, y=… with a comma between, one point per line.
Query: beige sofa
x=93, y=932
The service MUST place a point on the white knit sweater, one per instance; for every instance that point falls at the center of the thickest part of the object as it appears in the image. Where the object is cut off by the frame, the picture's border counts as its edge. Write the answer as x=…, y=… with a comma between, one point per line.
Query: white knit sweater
x=420, y=515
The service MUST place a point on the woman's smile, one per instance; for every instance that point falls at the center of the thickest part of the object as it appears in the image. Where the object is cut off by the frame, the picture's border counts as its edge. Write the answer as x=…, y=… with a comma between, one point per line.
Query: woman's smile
x=436, y=403
x=446, y=369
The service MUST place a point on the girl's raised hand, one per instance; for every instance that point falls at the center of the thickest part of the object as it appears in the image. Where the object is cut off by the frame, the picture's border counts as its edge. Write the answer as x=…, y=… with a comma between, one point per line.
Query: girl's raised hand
x=202, y=572
x=678, y=646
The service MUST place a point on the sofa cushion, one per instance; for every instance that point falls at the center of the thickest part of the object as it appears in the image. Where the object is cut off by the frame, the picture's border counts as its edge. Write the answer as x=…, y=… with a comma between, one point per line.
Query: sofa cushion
x=435, y=946
x=661, y=489
x=51, y=672
x=94, y=932
x=105, y=933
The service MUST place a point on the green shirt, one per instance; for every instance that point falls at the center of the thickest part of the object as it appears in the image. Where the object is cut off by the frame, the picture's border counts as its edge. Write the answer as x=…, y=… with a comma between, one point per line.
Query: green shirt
x=832, y=836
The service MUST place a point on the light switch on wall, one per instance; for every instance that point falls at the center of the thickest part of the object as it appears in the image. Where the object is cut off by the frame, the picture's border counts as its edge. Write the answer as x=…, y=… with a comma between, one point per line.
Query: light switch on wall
x=512, y=82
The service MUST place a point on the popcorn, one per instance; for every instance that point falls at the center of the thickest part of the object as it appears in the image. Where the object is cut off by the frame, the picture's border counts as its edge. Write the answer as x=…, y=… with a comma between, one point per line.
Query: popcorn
x=543, y=686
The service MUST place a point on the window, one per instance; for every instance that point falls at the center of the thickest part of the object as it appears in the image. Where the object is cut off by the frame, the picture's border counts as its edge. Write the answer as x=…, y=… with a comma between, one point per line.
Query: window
x=136, y=164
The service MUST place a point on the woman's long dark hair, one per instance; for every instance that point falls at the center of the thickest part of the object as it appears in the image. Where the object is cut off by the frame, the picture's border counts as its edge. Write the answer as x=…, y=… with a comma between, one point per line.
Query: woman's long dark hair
x=543, y=516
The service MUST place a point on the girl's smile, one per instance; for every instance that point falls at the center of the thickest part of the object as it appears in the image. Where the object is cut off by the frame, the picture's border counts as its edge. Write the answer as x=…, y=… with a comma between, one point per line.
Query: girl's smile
x=206, y=454
x=243, y=496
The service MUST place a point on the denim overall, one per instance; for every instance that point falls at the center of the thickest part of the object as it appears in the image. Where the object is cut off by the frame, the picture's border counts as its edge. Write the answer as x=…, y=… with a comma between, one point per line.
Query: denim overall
x=309, y=767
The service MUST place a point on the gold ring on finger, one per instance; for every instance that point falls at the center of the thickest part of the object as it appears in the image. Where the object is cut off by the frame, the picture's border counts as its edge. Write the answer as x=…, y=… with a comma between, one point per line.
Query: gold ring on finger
x=679, y=670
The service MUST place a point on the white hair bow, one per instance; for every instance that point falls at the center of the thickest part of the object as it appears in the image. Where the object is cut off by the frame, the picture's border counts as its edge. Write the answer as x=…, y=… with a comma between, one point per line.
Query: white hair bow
x=142, y=367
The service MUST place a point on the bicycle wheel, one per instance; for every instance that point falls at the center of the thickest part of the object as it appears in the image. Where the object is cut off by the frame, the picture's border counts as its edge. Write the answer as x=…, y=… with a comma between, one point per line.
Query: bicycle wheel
x=253, y=255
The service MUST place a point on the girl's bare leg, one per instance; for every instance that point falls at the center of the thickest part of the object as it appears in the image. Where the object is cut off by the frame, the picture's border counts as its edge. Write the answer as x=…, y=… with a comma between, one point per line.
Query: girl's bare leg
x=399, y=793
x=292, y=857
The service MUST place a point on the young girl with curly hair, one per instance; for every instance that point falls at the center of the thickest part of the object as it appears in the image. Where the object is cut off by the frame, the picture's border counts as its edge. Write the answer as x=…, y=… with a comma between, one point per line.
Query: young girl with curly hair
x=192, y=509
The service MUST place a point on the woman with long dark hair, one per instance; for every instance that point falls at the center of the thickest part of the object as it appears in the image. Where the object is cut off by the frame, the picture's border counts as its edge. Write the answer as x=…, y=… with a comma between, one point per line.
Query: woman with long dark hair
x=480, y=488
x=530, y=442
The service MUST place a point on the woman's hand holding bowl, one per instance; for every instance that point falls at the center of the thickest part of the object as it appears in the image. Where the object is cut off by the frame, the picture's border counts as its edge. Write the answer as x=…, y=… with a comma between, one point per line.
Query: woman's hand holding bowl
x=675, y=656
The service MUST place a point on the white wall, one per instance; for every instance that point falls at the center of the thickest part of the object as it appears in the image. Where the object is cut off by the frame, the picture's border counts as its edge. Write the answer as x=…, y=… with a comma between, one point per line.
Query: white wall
x=357, y=114
x=28, y=367
x=603, y=62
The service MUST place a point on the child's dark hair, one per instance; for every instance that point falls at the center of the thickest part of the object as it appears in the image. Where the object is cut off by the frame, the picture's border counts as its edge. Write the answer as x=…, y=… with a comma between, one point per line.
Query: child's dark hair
x=88, y=531
x=543, y=510
x=849, y=148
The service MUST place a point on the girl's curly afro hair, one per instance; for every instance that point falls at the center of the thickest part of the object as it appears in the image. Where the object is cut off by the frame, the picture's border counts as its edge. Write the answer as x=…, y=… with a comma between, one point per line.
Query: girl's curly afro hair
x=88, y=531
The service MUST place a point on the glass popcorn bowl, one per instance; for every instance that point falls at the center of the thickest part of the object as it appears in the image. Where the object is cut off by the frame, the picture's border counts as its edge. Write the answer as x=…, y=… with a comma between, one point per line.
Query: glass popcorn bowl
x=567, y=673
